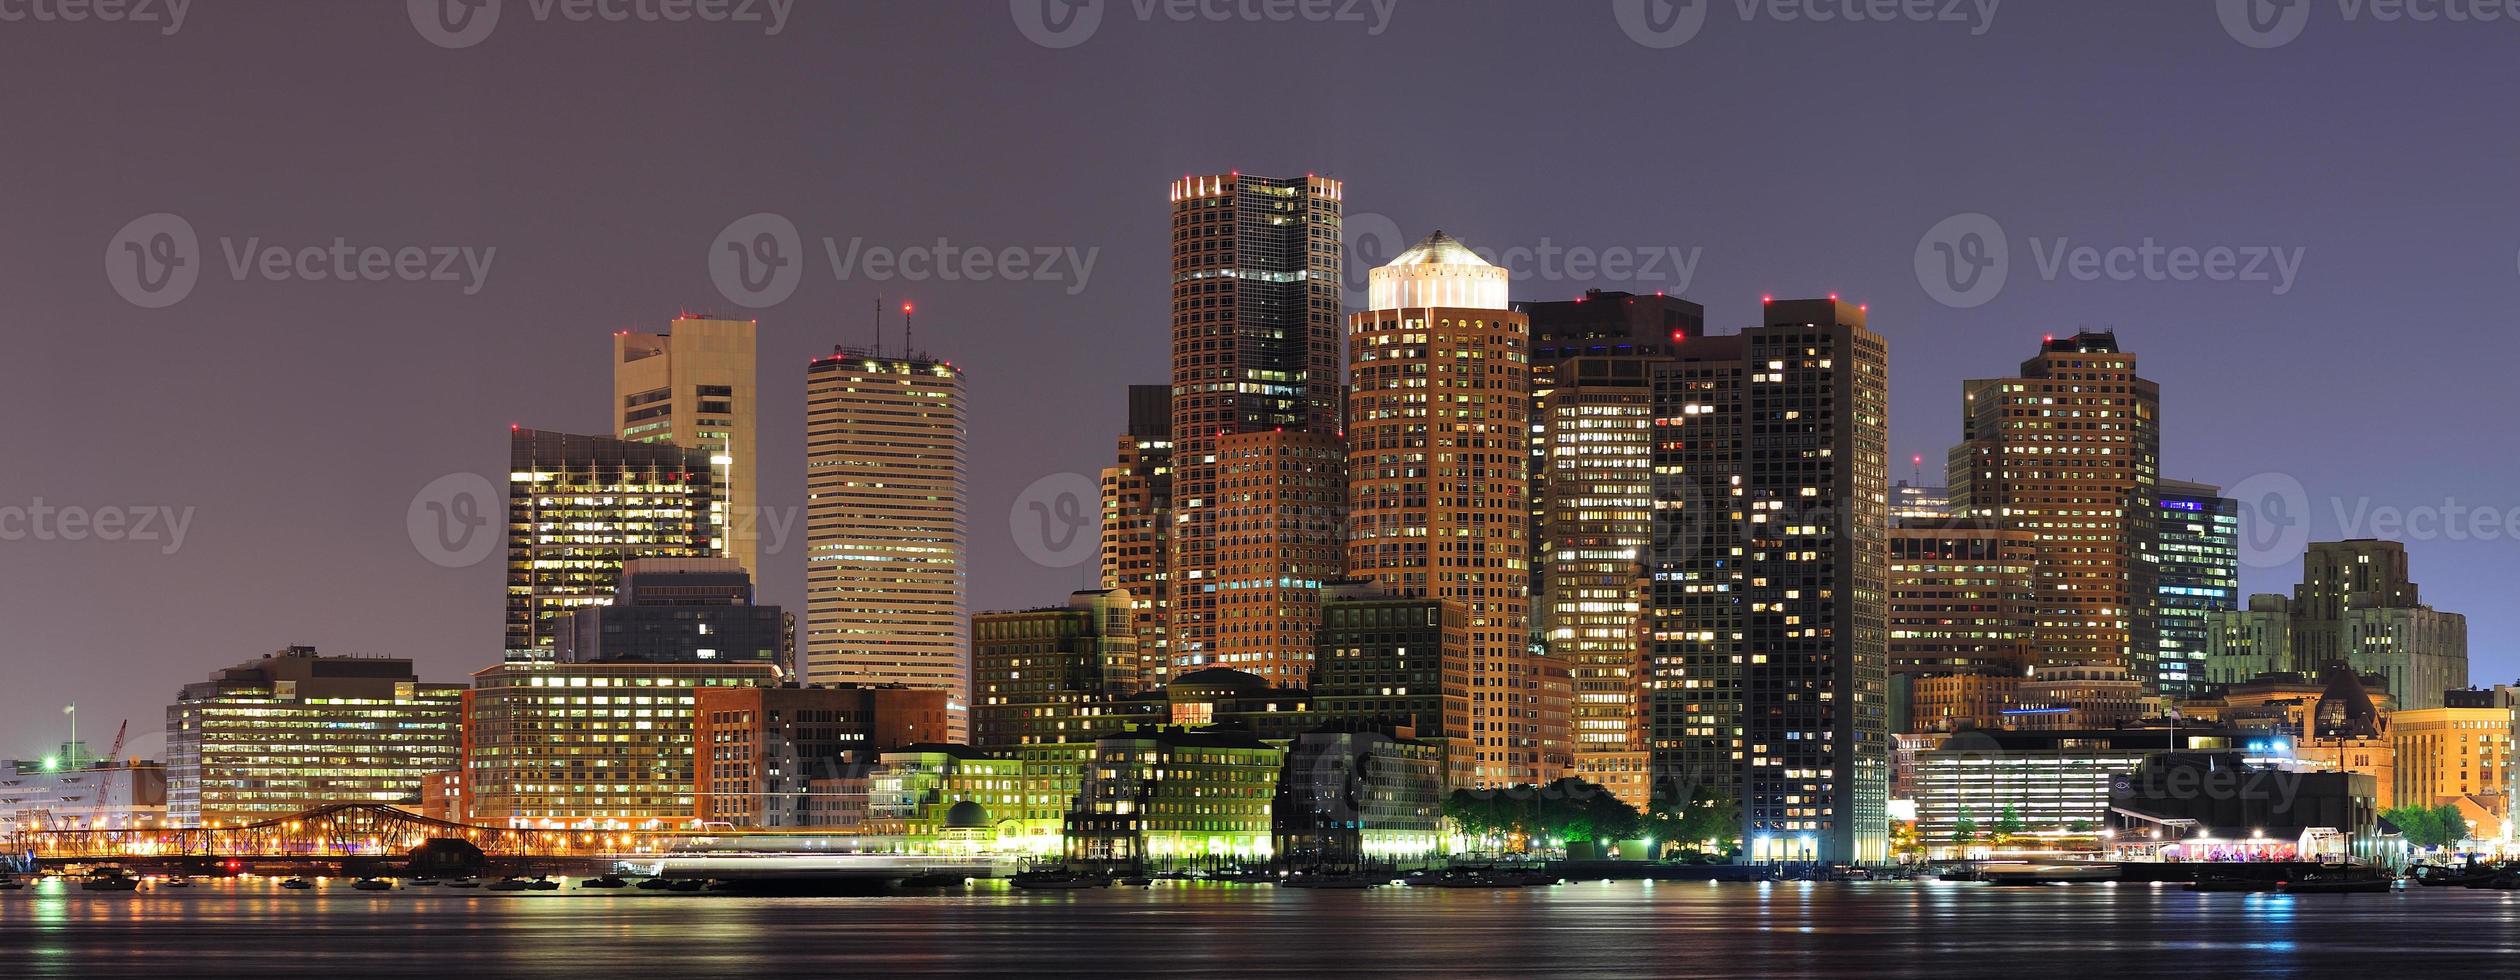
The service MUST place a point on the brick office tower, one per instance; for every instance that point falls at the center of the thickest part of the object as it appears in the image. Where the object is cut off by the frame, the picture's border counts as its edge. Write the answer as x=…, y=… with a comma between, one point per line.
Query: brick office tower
x=1255, y=300
x=2070, y=450
x=1439, y=451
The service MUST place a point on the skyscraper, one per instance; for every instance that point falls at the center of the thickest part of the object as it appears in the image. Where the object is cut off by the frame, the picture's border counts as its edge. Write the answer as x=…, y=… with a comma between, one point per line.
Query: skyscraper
x=1770, y=677
x=1054, y=675
x=884, y=523
x=1592, y=502
x=2356, y=605
x=579, y=507
x=692, y=386
x=1963, y=598
x=1595, y=485
x=1439, y=449
x=1276, y=514
x=2199, y=531
x=1255, y=341
x=1137, y=524
x=2070, y=449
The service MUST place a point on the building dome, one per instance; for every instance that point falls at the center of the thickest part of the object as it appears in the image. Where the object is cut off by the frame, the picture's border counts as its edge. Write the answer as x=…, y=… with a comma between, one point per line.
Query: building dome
x=1437, y=272
x=967, y=815
x=1439, y=249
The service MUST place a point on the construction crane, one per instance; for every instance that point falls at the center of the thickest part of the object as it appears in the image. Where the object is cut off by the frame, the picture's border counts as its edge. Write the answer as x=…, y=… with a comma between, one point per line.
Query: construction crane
x=116, y=752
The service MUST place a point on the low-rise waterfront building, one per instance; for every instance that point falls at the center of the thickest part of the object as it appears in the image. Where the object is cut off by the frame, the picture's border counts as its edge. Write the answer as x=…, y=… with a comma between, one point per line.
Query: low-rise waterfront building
x=1347, y=799
x=1171, y=797
x=297, y=730
x=599, y=746
x=1979, y=783
x=70, y=791
x=763, y=749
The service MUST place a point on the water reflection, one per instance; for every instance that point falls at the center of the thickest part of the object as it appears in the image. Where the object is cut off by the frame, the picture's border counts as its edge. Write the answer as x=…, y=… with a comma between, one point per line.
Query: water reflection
x=1579, y=929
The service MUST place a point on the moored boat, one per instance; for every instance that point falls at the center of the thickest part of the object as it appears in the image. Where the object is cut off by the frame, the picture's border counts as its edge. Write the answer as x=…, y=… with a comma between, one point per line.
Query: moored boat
x=110, y=880
x=297, y=884
x=373, y=885
x=2353, y=882
x=1059, y=880
x=607, y=881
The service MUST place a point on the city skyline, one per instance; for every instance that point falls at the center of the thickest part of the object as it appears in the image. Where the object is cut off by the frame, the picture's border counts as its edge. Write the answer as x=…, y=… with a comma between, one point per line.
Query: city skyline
x=334, y=566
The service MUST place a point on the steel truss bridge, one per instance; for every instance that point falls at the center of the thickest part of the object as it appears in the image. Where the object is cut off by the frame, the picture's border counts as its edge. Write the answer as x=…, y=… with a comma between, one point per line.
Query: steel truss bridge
x=341, y=830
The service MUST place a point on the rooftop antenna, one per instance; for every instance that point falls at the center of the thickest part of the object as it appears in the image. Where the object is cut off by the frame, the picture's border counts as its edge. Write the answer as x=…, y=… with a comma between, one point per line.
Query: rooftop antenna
x=907, y=348
x=879, y=324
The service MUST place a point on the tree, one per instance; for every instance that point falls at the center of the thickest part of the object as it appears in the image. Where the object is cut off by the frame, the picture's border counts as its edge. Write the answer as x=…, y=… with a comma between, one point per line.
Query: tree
x=2429, y=826
x=2079, y=826
x=1964, y=829
x=1707, y=825
x=2009, y=822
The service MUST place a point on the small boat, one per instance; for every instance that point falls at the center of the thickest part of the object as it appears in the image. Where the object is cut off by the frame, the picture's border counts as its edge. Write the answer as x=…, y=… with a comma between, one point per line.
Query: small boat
x=297, y=884
x=655, y=884
x=1175, y=876
x=2047, y=874
x=1051, y=879
x=936, y=879
x=464, y=882
x=178, y=881
x=10, y=883
x=1325, y=880
x=373, y=885
x=110, y=880
x=2229, y=883
x=607, y=881
x=1134, y=881
x=2339, y=883
x=423, y=881
x=542, y=884
x=510, y=885
x=686, y=885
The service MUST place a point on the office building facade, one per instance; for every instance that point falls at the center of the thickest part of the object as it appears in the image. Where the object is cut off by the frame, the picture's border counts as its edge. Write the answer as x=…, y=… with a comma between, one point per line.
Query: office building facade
x=590, y=746
x=298, y=730
x=2199, y=533
x=693, y=386
x=677, y=610
x=1770, y=661
x=886, y=519
x=1255, y=349
x=1054, y=675
x=772, y=758
x=1137, y=525
x=581, y=506
x=2070, y=450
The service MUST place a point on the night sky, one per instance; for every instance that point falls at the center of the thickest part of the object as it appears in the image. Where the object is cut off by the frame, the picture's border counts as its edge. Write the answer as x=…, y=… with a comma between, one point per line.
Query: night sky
x=294, y=421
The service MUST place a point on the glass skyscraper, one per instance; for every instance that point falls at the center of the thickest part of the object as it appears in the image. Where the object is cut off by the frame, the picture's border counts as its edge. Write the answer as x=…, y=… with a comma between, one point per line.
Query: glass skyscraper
x=2199, y=578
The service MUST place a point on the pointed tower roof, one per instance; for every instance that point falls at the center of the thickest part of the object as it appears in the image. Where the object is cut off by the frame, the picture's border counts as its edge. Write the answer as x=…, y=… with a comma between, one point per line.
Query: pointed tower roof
x=1439, y=249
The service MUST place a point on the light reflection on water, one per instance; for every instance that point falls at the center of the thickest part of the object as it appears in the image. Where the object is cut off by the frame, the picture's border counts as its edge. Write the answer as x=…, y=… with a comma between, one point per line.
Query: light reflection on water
x=1587, y=928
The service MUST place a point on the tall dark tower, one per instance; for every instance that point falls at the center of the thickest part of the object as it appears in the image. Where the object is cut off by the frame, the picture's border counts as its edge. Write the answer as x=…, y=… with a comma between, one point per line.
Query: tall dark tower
x=1256, y=353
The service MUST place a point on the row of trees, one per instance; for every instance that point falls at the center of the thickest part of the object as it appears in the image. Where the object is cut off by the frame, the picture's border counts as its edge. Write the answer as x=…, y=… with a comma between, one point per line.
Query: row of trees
x=2428, y=826
x=1572, y=809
